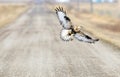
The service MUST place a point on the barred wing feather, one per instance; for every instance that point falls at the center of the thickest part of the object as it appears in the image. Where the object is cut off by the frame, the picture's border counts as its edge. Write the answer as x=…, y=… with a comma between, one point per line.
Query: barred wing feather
x=84, y=38
x=64, y=20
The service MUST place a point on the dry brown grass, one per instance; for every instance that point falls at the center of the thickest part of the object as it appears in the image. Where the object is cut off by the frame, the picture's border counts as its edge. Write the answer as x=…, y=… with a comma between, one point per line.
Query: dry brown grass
x=105, y=9
x=9, y=13
x=103, y=27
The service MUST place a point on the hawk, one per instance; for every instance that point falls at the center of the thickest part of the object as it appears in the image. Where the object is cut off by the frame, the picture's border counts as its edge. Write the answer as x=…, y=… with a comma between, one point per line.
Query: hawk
x=70, y=31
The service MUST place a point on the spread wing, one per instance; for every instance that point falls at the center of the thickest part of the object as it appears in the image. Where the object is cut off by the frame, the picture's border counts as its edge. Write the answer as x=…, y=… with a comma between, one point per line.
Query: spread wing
x=63, y=18
x=85, y=38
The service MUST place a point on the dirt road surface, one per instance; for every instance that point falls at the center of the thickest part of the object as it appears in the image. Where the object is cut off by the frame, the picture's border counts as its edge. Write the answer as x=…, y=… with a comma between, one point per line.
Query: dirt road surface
x=31, y=47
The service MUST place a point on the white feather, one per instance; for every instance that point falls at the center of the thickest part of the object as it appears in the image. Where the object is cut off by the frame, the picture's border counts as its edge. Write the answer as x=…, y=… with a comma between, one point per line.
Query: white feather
x=66, y=24
x=61, y=16
x=65, y=36
x=83, y=38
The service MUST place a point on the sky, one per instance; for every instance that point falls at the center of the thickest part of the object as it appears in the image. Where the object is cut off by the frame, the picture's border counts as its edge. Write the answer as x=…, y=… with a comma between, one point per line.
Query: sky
x=15, y=1
x=20, y=1
x=38, y=1
x=30, y=0
x=62, y=0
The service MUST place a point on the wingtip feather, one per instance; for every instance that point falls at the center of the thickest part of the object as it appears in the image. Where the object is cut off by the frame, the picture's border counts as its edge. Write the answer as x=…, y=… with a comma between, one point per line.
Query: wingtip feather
x=60, y=9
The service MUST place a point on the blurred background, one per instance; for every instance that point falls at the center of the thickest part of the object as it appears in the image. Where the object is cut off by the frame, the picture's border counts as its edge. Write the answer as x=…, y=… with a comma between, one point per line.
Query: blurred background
x=98, y=17
x=30, y=43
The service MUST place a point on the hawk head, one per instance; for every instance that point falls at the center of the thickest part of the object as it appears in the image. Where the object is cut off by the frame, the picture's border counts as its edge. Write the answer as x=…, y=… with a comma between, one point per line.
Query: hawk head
x=77, y=28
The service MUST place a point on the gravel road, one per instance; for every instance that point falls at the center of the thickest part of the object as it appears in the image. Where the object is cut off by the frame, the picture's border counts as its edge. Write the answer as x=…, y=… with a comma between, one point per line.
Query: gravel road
x=31, y=47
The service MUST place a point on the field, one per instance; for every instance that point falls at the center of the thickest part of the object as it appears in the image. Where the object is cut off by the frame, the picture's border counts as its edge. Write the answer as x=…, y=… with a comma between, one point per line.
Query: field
x=105, y=28
x=8, y=13
x=103, y=9
x=104, y=23
x=31, y=47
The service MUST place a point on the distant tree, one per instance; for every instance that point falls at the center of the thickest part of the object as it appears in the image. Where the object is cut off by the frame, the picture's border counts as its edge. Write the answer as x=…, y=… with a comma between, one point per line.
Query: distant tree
x=91, y=6
x=78, y=5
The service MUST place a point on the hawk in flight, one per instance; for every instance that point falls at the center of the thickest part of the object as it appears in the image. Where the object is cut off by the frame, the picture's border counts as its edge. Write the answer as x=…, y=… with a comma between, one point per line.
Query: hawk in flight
x=70, y=31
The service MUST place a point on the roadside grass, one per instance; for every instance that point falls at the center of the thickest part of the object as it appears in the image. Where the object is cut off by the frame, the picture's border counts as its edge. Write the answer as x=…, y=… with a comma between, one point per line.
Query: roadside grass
x=107, y=28
x=8, y=13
